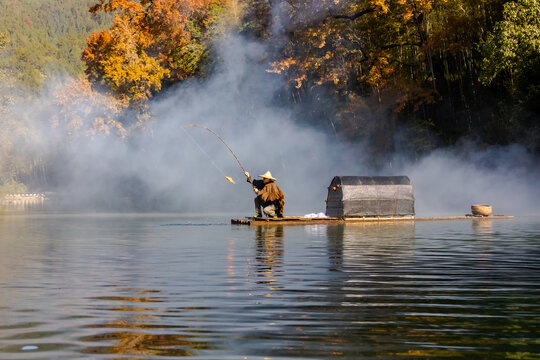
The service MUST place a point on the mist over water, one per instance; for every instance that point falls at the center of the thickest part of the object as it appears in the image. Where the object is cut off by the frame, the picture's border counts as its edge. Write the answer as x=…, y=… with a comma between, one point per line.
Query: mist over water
x=237, y=104
x=170, y=168
x=449, y=181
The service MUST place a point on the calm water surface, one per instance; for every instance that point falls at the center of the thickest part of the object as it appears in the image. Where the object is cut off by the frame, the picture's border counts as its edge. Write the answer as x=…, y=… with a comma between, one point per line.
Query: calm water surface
x=166, y=286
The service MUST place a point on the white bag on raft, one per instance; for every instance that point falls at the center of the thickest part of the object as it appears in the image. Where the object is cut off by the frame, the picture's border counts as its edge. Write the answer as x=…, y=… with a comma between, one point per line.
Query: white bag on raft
x=314, y=215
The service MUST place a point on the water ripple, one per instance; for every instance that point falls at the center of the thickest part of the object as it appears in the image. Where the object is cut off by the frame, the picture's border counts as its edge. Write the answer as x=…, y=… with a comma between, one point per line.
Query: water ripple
x=150, y=287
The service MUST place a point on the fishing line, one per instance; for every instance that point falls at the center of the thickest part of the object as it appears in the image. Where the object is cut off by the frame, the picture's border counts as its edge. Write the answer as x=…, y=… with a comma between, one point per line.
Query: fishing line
x=223, y=141
x=204, y=152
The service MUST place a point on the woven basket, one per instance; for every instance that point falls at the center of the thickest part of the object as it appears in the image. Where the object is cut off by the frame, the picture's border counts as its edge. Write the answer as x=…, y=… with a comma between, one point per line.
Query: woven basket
x=483, y=210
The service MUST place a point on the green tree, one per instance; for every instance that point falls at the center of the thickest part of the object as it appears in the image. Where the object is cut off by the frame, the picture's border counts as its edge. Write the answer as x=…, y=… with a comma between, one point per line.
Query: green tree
x=46, y=38
x=513, y=47
x=512, y=63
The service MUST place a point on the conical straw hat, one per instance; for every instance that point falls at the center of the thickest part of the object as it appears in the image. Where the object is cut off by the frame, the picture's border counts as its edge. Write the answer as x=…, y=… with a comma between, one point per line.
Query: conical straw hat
x=268, y=175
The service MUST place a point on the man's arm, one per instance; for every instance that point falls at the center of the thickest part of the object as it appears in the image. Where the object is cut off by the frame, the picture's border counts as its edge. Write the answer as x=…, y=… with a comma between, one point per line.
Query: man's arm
x=248, y=177
x=250, y=180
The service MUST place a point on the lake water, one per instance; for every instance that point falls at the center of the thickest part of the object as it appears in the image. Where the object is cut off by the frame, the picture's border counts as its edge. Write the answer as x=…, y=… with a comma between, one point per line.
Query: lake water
x=168, y=286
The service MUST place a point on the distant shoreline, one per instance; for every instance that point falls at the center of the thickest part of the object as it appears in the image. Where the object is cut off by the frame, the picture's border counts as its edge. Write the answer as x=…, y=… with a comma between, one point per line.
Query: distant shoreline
x=22, y=201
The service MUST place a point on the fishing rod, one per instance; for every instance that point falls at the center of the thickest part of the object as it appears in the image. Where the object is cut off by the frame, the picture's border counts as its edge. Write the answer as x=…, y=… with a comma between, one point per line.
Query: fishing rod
x=224, y=143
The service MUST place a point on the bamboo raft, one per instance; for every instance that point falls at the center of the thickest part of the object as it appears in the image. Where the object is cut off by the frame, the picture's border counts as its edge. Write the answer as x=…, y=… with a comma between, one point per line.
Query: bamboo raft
x=298, y=220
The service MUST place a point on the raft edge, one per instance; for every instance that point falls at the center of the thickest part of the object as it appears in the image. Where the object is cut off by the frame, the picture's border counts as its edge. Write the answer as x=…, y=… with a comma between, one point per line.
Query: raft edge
x=297, y=220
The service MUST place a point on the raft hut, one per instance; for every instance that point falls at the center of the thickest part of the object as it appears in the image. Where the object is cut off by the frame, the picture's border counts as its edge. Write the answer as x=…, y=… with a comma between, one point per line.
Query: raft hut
x=369, y=196
x=360, y=199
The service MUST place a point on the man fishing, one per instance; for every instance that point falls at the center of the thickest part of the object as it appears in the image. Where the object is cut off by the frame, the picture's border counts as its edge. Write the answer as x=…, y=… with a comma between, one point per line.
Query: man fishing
x=269, y=195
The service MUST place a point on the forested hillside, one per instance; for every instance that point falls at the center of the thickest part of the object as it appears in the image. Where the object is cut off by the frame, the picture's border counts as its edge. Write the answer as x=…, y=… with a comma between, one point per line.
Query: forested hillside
x=392, y=75
x=431, y=72
x=40, y=41
x=399, y=74
x=45, y=38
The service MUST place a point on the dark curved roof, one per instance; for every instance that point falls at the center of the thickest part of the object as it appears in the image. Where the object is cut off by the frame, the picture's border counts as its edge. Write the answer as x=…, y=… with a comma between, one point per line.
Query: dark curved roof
x=371, y=180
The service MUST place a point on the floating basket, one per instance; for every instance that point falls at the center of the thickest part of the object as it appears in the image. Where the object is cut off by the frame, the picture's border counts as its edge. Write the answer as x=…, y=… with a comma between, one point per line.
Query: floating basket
x=482, y=210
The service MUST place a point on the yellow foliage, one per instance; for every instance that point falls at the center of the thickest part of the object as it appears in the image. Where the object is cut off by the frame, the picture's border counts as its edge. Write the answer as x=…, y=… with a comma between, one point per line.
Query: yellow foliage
x=300, y=80
x=148, y=43
x=380, y=71
x=278, y=67
x=381, y=6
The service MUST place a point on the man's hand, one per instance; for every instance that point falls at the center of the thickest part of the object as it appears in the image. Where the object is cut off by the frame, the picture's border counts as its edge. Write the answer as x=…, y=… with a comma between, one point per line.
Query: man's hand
x=247, y=174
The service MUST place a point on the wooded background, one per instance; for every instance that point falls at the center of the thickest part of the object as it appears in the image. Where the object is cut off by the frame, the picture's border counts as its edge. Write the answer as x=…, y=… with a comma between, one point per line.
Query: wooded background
x=394, y=75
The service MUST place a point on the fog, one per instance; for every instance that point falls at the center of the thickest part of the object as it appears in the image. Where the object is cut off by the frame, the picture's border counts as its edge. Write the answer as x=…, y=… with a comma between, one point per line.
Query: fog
x=174, y=169
x=449, y=181
x=237, y=104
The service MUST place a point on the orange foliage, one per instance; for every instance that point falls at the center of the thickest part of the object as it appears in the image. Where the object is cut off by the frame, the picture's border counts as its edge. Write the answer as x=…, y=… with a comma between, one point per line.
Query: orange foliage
x=150, y=41
x=356, y=40
x=99, y=46
x=379, y=72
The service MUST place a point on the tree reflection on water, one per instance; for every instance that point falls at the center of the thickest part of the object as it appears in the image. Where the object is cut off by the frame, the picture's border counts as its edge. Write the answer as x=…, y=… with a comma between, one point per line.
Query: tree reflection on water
x=269, y=252
x=133, y=335
x=121, y=287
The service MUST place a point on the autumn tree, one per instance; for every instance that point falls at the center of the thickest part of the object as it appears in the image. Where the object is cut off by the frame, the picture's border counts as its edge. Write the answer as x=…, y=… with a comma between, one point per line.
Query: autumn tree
x=84, y=112
x=363, y=54
x=150, y=44
x=339, y=40
x=378, y=67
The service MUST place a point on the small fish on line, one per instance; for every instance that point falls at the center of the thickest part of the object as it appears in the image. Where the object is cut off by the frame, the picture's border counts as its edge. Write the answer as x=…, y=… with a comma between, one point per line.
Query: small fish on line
x=229, y=179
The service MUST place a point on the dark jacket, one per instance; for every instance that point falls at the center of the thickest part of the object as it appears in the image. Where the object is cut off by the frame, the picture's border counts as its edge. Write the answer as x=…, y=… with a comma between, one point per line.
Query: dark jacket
x=269, y=193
